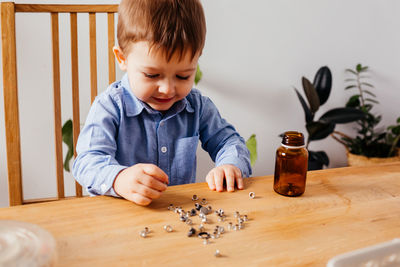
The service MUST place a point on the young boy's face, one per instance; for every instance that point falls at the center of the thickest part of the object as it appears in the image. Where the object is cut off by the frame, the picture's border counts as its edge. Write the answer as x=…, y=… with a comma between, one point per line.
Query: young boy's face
x=155, y=80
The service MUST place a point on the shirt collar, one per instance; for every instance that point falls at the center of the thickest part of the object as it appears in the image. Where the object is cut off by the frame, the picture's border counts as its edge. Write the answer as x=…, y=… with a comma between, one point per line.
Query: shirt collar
x=135, y=106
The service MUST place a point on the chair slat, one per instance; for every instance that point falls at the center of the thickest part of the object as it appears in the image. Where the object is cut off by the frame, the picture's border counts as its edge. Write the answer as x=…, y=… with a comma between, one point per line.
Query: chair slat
x=75, y=88
x=65, y=8
x=11, y=103
x=93, y=56
x=12, y=128
x=111, y=42
x=57, y=105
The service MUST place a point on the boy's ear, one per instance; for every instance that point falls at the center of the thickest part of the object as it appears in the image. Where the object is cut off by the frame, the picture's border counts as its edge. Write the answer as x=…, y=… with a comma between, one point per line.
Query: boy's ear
x=120, y=58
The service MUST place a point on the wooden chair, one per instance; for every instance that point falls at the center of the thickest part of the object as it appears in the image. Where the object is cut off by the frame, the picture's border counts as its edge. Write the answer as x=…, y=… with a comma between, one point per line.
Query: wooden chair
x=8, y=10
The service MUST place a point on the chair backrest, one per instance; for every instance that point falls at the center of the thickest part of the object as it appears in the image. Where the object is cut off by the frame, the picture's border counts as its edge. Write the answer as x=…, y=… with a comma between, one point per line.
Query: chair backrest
x=8, y=10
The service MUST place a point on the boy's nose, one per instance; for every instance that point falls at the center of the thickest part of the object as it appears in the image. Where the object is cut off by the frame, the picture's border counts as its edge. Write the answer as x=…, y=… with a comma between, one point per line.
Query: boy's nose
x=167, y=87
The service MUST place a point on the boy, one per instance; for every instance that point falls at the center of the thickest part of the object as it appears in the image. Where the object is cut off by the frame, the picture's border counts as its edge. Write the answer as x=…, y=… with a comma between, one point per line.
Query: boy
x=142, y=132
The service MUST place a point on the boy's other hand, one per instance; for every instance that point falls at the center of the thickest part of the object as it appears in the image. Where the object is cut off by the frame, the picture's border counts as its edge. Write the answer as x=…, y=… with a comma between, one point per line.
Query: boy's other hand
x=215, y=178
x=141, y=183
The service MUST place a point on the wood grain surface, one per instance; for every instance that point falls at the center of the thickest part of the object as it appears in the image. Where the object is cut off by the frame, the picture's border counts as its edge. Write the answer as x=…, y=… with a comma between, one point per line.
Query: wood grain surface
x=342, y=209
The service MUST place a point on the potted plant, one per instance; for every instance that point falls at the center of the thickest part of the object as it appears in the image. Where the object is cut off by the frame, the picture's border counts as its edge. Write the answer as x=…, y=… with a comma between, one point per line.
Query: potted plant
x=369, y=145
x=317, y=93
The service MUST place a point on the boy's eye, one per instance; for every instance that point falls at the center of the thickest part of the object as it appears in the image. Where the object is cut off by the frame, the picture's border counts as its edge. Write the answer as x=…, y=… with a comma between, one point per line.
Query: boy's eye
x=151, y=76
x=182, y=77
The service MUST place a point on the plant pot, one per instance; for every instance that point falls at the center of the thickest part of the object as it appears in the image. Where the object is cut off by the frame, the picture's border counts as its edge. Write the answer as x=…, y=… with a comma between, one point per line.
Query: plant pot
x=359, y=160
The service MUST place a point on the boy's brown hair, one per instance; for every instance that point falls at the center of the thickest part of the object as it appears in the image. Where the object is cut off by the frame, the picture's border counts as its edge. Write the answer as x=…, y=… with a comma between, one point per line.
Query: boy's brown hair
x=173, y=25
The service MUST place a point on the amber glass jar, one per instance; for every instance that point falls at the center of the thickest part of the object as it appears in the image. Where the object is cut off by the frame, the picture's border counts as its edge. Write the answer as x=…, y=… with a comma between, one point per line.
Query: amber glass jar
x=291, y=165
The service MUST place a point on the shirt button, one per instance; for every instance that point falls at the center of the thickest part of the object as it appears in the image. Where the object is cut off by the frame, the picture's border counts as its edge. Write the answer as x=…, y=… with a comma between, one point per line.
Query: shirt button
x=103, y=188
x=163, y=149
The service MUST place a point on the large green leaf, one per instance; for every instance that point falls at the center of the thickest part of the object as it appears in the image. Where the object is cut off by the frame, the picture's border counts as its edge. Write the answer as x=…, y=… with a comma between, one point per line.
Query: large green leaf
x=342, y=115
x=251, y=144
x=319, y=156
x=354, y=101
x=323, y=84
x=67, y=137
x=307, y=112
x=318, y=130
x=311, y=94
x=199, y=75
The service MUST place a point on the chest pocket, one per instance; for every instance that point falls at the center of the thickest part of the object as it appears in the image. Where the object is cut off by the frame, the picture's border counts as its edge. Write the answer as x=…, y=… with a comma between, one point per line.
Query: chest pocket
x=183, y=167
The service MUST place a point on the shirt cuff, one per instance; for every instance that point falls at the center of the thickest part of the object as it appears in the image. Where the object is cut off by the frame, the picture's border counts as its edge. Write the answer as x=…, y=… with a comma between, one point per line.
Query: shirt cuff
x=109, y=174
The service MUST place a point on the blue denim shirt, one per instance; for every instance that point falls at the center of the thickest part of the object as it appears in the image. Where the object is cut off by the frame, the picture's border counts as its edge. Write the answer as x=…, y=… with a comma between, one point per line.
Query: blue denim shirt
x=121, y=131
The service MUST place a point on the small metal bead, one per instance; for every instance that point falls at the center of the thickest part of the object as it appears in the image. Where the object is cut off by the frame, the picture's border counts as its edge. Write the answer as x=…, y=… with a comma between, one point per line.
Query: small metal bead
x=237, y=214
x=201, y=227
x=189, y=222
x=204, y=210
x=204, y=220
x=203, y=201
x=171, y=207
x=178, y=209
x=221, y=229
x=193, y=212
x=147, y=230
x=221, y=212
x=198, y=206
x=252, y=195
x=230, y=226
x=217, y=253
x=204, y=235
x=168, y=228
x=183, y=218
x=143, y=233
x=191, y=232
x=236, y=227
x=240, y=220
x=195, y=197
x=245, y=218
x=209, y=208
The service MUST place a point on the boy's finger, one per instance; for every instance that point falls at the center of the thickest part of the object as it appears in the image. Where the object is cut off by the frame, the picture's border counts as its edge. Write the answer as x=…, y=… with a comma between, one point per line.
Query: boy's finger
x=151, y=182
x=230, y=179
x=147, y=191
x=210, y=180
x=138, y=199
x=156, y=172
x=239, y=179
x=219, y=176
x=239, y=182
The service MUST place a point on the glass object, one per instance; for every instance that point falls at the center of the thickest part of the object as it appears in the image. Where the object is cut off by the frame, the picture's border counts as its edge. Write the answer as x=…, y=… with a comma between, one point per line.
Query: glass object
x=291, y=165
x=25, y=244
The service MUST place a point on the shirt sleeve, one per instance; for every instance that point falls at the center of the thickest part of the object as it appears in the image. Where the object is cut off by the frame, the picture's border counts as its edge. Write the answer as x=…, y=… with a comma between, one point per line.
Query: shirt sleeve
x=95, y=167
x=221, y=140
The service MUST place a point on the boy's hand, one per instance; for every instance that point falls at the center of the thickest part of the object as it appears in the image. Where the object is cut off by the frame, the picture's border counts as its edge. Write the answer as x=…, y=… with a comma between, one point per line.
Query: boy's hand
x=215, y=178
x=141, y=183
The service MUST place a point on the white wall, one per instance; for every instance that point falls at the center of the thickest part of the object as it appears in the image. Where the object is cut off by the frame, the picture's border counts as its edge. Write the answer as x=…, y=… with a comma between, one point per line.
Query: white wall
x=255, y=52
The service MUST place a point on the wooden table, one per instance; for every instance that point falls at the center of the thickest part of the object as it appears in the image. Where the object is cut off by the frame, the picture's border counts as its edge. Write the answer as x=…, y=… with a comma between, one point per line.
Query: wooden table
x=342, y=210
